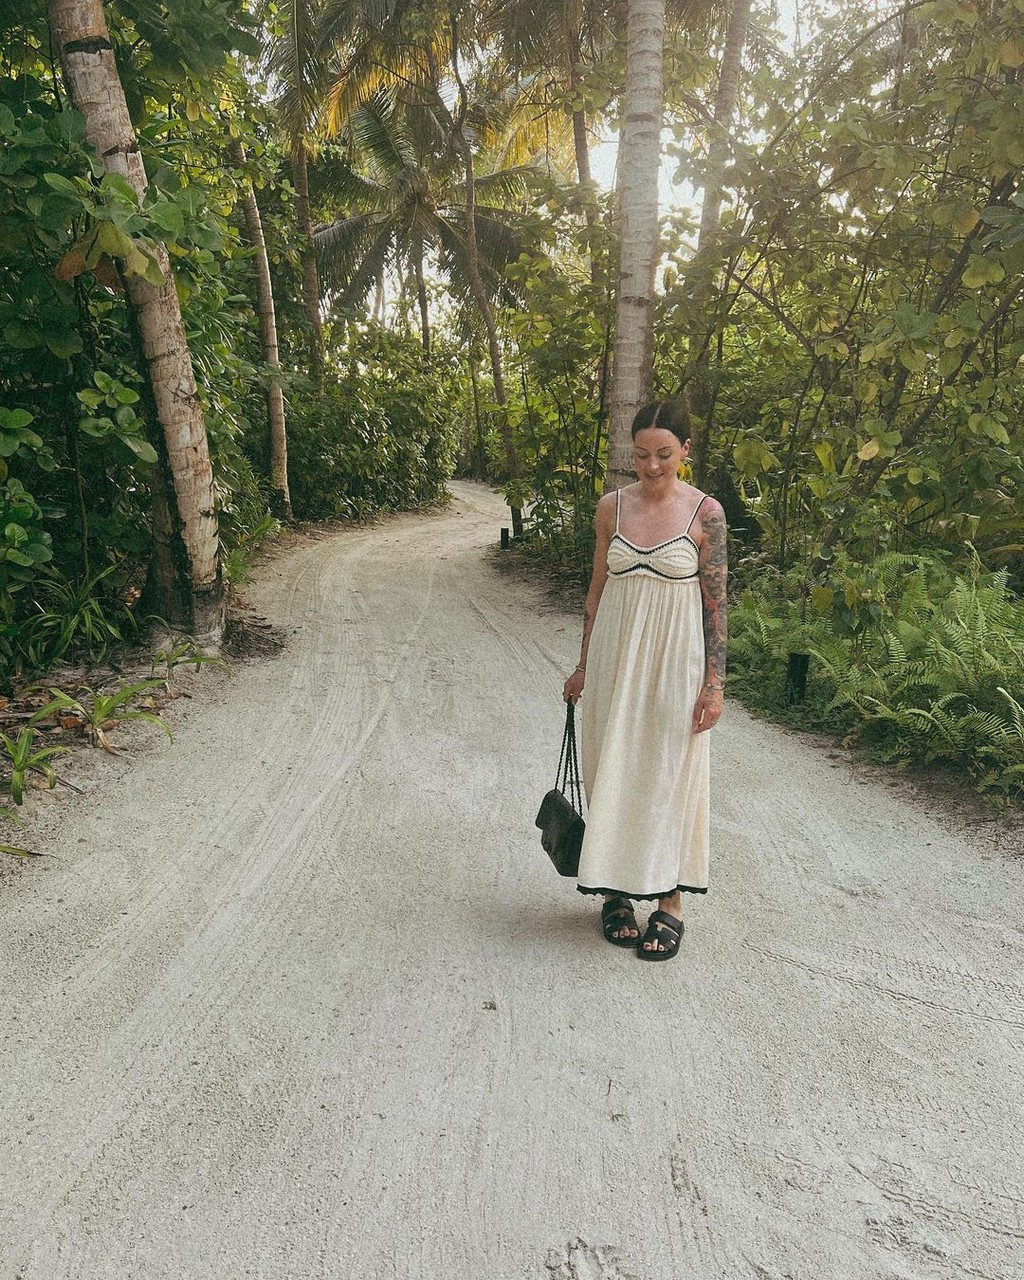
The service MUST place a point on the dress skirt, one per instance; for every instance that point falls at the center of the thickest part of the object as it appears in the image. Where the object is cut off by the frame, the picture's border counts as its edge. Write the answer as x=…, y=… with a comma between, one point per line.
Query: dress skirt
x=645, y=773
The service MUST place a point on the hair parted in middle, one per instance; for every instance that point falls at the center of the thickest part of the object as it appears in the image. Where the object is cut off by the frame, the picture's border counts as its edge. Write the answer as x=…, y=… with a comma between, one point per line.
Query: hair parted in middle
x=667, y=415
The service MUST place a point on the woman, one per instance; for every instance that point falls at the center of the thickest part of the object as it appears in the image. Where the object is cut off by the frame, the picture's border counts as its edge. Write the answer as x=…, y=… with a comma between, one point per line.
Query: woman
x=653, y=664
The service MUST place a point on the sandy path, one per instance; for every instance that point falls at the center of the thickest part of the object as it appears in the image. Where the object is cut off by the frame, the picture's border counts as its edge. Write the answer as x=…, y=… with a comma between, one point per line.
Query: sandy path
x=301, y=997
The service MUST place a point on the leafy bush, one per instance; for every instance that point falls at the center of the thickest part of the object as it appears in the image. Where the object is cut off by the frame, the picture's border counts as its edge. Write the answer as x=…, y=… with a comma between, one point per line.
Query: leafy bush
x=75, y=621
x=917, y=664
x=380, y=438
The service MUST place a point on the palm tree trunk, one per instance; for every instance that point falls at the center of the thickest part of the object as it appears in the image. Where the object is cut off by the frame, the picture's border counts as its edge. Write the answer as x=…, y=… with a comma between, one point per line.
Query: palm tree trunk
x=186, y=585
x=483, y=303
x=421, y=299
x=638, y=162
x=707, y=259
x=280, y=498
x=310, y=274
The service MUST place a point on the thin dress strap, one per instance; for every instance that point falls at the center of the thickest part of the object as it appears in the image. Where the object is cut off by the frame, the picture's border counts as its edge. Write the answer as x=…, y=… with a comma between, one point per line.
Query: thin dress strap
x=704, y=498
x=618, y=496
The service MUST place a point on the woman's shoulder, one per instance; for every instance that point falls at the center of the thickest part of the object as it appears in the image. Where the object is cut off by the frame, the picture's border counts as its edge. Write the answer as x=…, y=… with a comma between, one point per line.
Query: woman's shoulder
x=710, y=508
x=608, y=502
x=709, y=512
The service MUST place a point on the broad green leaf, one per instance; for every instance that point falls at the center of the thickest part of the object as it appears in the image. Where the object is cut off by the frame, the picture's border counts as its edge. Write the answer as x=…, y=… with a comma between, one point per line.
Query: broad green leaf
x=64, y=343
x=1012, y=54
x=120, y=186
x=59, y=183
x=141, y=448
x=24, y=336
x=168, y=217
x=14, y=419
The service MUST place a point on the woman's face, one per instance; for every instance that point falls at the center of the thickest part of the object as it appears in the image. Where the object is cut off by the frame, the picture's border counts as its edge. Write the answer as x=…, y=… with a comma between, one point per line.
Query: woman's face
x=657, y=454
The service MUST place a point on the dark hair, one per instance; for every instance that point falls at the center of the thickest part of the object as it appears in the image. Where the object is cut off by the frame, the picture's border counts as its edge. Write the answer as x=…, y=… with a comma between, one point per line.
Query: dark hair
x=666, y=415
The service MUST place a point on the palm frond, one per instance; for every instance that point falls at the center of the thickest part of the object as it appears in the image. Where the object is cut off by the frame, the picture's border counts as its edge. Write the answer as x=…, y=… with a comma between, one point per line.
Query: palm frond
x=333, y=181
x=359, y=253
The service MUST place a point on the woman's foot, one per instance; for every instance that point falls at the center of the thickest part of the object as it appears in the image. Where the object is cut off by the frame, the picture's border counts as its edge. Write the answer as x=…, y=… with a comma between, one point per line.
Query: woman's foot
x=664, y=930
x=618, y=923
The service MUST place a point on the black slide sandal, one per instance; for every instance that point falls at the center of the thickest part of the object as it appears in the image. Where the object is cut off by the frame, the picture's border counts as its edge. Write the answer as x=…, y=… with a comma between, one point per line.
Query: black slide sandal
x=666, y=931
x=617, y=913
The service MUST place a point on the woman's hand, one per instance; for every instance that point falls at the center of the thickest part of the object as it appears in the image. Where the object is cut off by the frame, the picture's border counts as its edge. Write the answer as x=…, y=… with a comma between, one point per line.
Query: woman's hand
x=708, y=711
x=574, y=686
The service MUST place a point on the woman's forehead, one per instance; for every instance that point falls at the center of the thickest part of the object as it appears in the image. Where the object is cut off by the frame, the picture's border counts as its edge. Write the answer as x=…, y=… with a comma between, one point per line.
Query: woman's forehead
x=656, y=438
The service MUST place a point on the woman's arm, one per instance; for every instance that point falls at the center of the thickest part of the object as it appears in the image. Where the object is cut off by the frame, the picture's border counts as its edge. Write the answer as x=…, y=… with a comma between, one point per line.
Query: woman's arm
x=604, y=527
x=714, y=573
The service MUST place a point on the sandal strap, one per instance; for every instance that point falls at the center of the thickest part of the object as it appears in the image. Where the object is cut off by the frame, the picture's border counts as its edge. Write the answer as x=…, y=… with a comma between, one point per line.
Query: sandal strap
x=661, y=921
x=615, y=907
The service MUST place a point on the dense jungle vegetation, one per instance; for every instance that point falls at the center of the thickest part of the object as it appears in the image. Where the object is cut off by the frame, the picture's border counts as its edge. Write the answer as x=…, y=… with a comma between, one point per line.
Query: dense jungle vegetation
x=375, y=229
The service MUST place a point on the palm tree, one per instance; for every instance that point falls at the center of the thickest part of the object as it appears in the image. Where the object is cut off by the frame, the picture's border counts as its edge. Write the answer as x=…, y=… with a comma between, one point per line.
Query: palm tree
x=639, y=159
x=186, y=585
x=280, y=499
x=296, y=65
x=551, y=45
x=404, y=203
x=708, y=256
x=639, y=156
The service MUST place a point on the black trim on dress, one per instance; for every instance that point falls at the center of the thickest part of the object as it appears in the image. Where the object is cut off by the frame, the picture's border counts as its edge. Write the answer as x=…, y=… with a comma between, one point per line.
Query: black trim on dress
x=641, y=897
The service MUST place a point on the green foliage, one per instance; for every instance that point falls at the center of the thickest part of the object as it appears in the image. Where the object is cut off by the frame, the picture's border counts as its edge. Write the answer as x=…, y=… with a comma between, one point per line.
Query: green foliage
x=23, y=758
x=74, y=621
x=382, y=437
x=120, y=422
x=562, y=338
x=178, y=651
x=865, y=329
x=77, y=430
x=932, y=674
x=99, y=711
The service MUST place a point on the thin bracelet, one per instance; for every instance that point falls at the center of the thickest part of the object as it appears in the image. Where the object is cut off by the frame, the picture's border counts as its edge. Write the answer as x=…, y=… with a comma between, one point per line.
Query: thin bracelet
x=583, y=668
x=719, y=687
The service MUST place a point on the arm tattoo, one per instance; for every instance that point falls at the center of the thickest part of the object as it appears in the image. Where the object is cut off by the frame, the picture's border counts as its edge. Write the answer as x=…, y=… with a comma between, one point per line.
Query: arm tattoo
x=713, y=576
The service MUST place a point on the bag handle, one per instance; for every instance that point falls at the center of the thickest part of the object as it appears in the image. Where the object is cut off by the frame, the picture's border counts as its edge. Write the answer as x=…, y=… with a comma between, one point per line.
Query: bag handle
x=567, y=780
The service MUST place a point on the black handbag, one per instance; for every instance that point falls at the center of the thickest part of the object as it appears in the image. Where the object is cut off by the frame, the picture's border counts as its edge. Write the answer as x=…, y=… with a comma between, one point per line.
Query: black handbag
x=560, y=814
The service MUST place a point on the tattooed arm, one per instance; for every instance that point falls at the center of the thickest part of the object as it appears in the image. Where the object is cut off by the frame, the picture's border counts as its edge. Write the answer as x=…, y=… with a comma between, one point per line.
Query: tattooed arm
x=713, y=576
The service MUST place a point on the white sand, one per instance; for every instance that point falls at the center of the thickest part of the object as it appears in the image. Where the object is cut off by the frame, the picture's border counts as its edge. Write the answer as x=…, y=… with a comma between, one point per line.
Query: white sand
x=300, y=996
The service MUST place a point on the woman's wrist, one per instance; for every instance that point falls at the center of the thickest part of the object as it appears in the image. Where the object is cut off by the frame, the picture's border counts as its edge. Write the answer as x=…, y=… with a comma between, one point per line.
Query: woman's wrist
x=581, y=666
x=720, y=688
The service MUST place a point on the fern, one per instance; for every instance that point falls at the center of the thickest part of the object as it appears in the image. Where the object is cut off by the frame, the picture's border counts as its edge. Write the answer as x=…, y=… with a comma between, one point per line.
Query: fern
x=936, y=679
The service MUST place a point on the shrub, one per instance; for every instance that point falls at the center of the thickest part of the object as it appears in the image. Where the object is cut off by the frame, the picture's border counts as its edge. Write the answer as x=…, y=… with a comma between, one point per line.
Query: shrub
x=917, y=664
x=382, y=437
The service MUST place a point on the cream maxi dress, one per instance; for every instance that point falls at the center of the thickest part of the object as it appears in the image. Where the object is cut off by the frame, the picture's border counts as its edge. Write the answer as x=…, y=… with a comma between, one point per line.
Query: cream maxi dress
x=645, y=772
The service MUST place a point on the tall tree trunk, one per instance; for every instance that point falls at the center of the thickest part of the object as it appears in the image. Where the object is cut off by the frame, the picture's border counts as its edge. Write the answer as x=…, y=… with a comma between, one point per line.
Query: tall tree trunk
x=280, y=498
x=310, y=274
x=707, y=259
x=639, y=159
x=186, y=585
x=581, y=147
x=421, y=300
x=483, y=303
